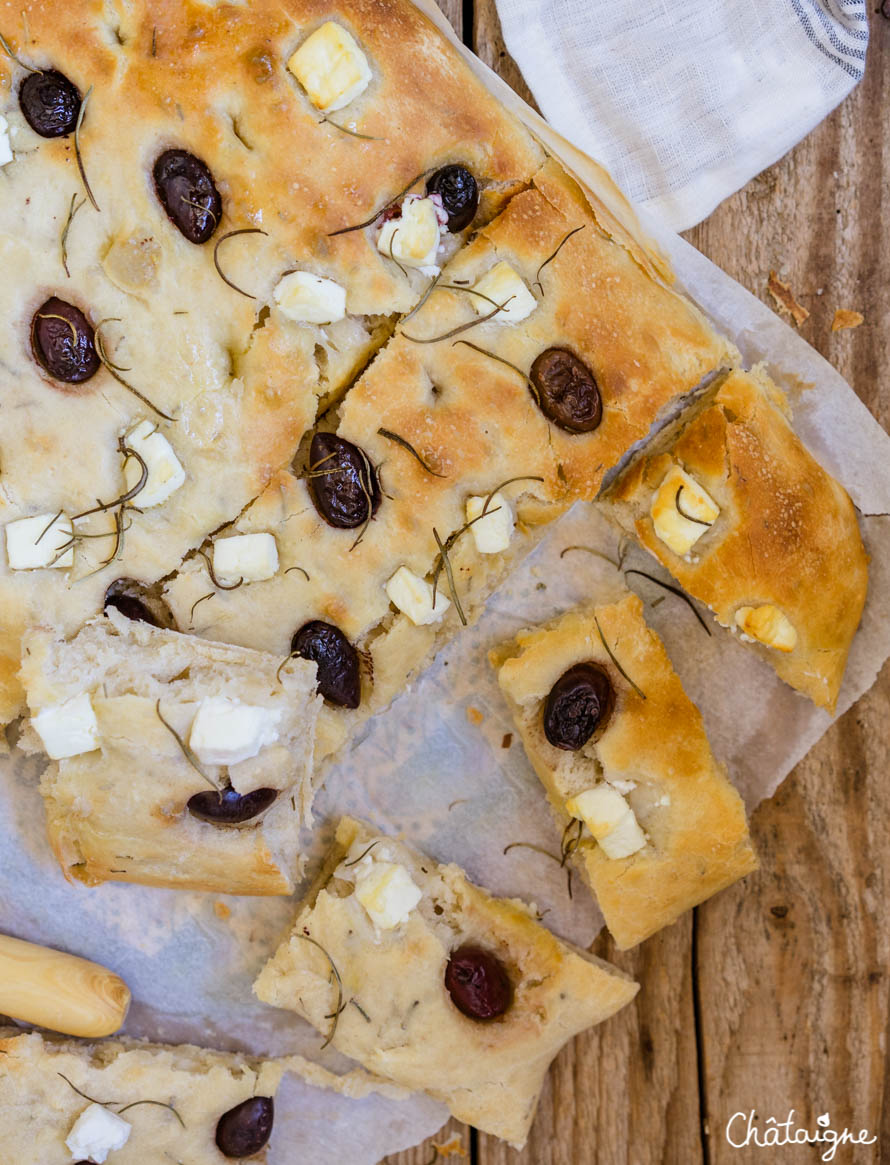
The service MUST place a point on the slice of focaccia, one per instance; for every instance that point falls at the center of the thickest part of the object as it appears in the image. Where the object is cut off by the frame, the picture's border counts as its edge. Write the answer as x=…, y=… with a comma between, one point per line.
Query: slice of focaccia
x=523, y=413
x=731, y=502
x=434, y=984
x=135, y=1103
x=175, y=762
x=649, y=815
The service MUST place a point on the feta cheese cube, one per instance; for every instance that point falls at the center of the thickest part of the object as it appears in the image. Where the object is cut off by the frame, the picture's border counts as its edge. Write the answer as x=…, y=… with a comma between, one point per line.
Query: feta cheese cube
x=69, y=728
x=492, y=533
x=413, y=239
x=387, y=892
x=36, y=542
x=250, y=557
x=226, y=731
x=310, y=299
x=6, y=155
x=165, y=474
x=768, y=625
x=97, y=1132
x=331, y=67
x=414, y=597
x=610, y=819
x=682, y=511
x=503, y=285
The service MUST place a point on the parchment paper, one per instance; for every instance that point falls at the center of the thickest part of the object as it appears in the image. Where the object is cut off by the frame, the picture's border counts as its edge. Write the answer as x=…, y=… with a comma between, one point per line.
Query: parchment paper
x=439, y=766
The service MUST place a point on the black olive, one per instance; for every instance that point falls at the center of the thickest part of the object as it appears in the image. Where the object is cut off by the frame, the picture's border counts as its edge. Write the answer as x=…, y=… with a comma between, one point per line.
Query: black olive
x=579, y=702
x=63, y=341
x=245, y=1129
x=185, y=187
x=478, y=983
x=342, y=482
x=229, y=807
x=459, y=192
x=339, y=677
x=568, y=394
x=50, y=103
x=135, y=601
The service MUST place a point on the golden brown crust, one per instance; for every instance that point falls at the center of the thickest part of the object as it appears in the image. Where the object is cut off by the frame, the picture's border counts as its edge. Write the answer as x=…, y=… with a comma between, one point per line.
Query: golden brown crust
x=787, y=533
x=404, y=1026
x=694, y=819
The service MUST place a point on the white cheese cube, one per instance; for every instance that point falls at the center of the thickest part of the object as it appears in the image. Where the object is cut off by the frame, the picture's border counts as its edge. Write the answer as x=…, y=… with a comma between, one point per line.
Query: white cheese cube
x=310, y=299
x=414, y=597
x=36, y=542
x=610, y=819
x=682, y=511
x=492, y=533
x=768, y=625
x=165, y=474
x=5, y=144
x=225, y=732
x=387, y=892
x=413, y=239
x=69, y=728
x=331, y=67
x=97, y=1132
x=250, y=557
x=502, y=284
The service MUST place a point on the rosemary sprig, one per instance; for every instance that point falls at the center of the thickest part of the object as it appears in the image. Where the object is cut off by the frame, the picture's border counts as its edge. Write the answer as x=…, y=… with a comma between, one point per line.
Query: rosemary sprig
x=353, y=133
x=358, y=1007
x=72, y=211
x=503, y=485
x=445, y=561
x=364, y=853
x=553, y=256
x=101, y=508
x=682, y=512
x=220, y=586
x=429, y=291
x=491, y=355
x=396, y=439
x=336, y=974
x=674, y=591
x=55, y=316
x=392, y=239
x=48, y=526
x=611, y=656
x=114, y=372
x=302, y=571
x=119, y=1104
x=360, y=226
x=219, y=270
x=4, y=44
x=77, y=153
x=461, y=327
x=365, y=481
x=159, y=1103
x=590, y=550
x=185, y=749
x=91, y=1099
x=209, y=595
x=539, y=849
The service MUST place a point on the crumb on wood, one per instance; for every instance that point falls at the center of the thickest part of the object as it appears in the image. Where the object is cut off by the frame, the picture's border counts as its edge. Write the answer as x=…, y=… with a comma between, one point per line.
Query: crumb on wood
x=452, y=1148
x=844, y=318
x=508, y=740
x=474, y=715
x=221, y=910
x=784, y=297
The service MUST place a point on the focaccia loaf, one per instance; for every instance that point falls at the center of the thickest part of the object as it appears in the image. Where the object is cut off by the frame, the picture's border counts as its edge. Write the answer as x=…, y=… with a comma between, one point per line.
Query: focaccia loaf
x=665, y=829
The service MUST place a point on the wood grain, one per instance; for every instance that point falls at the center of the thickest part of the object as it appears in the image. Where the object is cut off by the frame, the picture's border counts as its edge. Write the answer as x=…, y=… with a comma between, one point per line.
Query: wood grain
x=775, y=994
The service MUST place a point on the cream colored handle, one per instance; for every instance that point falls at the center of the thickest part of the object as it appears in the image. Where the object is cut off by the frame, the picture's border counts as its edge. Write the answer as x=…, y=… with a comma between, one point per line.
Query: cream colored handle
x=61, y=992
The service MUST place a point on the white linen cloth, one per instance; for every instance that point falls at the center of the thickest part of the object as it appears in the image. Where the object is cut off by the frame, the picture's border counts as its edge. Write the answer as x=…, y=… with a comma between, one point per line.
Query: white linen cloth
x=686, y=100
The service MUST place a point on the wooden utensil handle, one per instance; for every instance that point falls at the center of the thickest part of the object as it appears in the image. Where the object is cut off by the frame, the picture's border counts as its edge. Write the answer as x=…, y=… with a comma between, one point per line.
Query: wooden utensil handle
x=59, y=991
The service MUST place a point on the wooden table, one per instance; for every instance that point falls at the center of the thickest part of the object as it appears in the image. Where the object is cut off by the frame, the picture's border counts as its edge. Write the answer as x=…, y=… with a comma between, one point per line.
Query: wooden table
x=774, y=995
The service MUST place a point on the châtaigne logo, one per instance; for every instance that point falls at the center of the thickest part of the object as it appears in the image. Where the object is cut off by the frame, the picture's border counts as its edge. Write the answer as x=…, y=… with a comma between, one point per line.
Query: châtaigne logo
x=742, y=1131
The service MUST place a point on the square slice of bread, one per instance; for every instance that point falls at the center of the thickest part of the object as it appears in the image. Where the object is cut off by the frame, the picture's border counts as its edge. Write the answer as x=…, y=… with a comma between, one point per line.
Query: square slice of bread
x=121, y=811
x=386, y=983
x=171, y=1096
x=649, y=748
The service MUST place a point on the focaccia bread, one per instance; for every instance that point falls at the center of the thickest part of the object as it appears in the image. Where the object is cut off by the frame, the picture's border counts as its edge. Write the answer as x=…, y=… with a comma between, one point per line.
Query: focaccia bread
x=731, y=502
x=647, y=812
x=433, y=983
x=176, y=762
x=175, y=180
x=431, y=429
x=172, y=1103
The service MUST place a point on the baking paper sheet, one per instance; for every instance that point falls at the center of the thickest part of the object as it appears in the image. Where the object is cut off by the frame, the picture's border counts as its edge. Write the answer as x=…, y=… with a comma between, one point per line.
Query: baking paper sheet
x=439, y=766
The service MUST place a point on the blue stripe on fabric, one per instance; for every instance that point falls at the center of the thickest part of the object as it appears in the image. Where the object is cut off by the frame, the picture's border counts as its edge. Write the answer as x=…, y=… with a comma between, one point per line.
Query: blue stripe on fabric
x=849, y=69
x=831, y=32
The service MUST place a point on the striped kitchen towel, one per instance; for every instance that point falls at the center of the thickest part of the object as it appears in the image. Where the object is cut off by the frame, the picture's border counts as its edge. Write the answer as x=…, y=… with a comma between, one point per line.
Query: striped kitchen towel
x=685, y=100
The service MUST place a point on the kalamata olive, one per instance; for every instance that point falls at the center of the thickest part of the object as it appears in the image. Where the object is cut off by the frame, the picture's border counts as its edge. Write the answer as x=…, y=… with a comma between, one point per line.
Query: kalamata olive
x=459, y=192
x=579, y=702
x=50, y=103
x=245, y=1129
x=186, y=189
x=342, y=482
x=478, y=983
x=338, y=675
x=568, y=394
x=63, y=341
x=229, y=807
x=135, y=601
